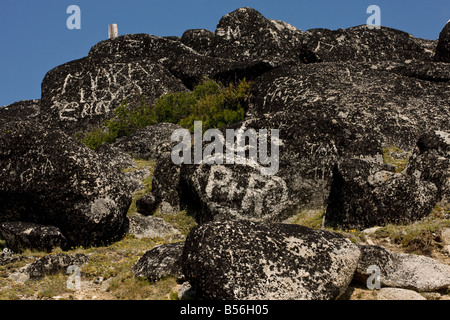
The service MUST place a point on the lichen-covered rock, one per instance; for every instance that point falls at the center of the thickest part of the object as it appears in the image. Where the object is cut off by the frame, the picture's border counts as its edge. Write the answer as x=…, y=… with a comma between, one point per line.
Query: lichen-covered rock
x=150, y=227
x=25, y=235
x=166, y=184
x=443, y=47
x=146, y=205
x=7, y=256
x=54, y=263
x=363, y=44
x=249, y=261
x=162, y=261
x=182, y=61
x=201, y=40
x=46, y=177
x=397, y=108
x=399, y=270
x=308, y=145
x=398, y=294
x=246, y=35
x=365, y=195
x=21, y=111
x=80, y=95
x=430, y=161
x=149, y=142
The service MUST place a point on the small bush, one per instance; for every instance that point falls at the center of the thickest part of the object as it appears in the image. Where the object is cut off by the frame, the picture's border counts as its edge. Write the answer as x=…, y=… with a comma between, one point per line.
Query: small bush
x=212, y=103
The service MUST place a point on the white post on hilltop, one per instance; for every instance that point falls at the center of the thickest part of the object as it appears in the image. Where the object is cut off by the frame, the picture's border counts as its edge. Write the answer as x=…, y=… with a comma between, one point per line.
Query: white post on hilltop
x=113, y=31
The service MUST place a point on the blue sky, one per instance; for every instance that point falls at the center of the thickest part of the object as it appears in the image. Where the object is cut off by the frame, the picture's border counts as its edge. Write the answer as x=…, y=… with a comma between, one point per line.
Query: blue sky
x=34, y=37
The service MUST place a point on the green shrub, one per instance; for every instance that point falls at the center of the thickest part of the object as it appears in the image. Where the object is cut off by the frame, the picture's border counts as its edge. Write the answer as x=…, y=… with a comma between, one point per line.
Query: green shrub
x=211, y=102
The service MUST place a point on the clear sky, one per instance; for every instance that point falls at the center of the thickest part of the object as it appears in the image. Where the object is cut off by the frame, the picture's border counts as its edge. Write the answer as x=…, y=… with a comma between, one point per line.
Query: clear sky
x=34, y=37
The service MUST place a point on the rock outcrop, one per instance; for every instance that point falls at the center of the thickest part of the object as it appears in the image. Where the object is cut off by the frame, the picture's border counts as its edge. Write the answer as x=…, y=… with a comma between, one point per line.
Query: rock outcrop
x=430, y=161
x=365, y=195
x=80, y=95
x=443, y=47
x=54, y=263
x=160, y=262
x=48, y=178
x=25, y=235
x=399, y=270
x=250, y=261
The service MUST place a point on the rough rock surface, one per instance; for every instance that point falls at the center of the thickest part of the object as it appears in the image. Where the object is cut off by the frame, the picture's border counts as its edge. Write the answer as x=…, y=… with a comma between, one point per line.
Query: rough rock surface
x=201, y=40
x=430, y=161
x=249, y=261
x=394, y=107
x=182, y=61
x=150, y=227
x=160, y=262
x=166, y=184
x=365, y=195
x=443, y=47
x=81, y=94
x=246, y=35
x=25, y=235
x=363, y=44
x=309, y=145
x=405, y=271
x=398, y=294
x=7, y=256
x=149, y=142
x=55, y=263
x=22, y=110
x=49, y=178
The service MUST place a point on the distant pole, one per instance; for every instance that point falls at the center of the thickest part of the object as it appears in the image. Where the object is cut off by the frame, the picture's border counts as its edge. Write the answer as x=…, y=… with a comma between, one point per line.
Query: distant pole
x=113, y=31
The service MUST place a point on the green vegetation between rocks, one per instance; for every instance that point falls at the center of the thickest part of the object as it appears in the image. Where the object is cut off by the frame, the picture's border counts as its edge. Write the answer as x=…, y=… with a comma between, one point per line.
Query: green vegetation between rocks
x=211, y=102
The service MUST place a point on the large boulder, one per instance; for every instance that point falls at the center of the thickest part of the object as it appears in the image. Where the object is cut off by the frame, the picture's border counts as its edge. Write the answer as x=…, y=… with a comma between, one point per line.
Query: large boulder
x=309, y=144
x=396, y=108
x=250, y=261
x=150, y=227
x=430, y=161
x=364, y=44
x=182, y=61
x=25, y=235
x=47, y=177
x=399, y=270
x=246, y=35
x=201, y=40
x=81, y=94
x=443, y=47
x=365, y=195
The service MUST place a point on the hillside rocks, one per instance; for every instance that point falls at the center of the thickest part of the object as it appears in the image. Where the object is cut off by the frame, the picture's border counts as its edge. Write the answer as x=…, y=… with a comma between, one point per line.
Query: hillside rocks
x=397, y=109
x=405, y=271
x=365, y=195
x=245, y=35
x=150, y=227
x=443, y=47
x=160, y=262
x=201, y=40
x=249, y=261
x=148, y=143
x=430, y=161
x=48, y=178
x=54, y=263
x=369, y=45
x=22, y=110
x=308, y=146
x=81, y=94
x=25, y=235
